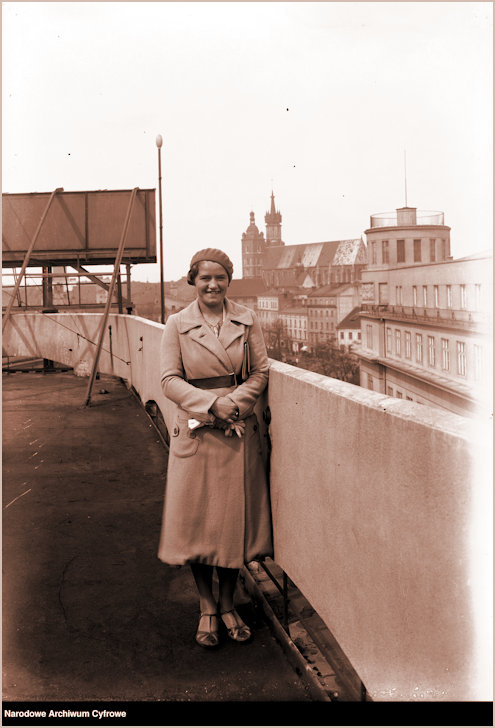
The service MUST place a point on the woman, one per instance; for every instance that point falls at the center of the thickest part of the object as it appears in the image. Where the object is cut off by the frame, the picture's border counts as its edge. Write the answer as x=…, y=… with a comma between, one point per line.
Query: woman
x=216, y=512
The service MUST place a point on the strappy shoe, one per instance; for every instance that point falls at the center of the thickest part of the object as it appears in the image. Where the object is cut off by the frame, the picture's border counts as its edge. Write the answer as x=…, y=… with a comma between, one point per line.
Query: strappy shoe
x=208, y=638
x=236, y=629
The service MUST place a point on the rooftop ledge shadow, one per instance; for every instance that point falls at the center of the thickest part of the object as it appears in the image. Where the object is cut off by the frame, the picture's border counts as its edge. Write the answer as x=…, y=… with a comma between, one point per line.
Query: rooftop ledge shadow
x=381, y=508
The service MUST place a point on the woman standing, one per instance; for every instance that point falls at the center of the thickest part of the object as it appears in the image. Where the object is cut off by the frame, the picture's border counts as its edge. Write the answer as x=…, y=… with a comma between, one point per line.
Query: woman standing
x=214, y=366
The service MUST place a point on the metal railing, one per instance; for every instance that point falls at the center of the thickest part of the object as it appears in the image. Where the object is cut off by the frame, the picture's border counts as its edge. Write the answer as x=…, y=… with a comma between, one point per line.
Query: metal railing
x=422, y=217
x=430, y=314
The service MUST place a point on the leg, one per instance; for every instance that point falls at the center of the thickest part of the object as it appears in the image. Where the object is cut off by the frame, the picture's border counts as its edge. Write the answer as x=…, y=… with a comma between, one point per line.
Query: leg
x=203, y=576
x=207, y=634
x=227, y=579
x=237, y=630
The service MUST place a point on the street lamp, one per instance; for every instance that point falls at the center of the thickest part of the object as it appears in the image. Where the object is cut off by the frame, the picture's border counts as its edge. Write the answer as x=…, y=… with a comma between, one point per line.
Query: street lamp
x=159, y=142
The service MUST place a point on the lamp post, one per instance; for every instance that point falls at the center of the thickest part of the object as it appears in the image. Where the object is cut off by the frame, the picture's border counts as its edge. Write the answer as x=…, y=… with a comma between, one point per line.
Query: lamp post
x=159, y=142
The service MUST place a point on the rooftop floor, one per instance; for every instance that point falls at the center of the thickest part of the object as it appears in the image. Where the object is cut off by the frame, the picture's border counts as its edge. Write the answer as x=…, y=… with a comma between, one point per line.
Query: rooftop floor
x=90, y=613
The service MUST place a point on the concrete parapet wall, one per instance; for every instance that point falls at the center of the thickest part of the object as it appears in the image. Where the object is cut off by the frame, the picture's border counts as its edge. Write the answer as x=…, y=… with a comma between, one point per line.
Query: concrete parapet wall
x=381, y=509
x=130, y=348
x=377, y=519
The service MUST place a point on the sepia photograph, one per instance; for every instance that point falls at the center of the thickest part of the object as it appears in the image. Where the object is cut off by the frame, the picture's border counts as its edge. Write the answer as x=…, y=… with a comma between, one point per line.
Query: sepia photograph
x=247, y=363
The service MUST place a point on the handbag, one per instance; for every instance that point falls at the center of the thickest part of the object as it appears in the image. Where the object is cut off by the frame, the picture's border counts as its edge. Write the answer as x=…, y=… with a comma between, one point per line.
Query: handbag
x=246, y=361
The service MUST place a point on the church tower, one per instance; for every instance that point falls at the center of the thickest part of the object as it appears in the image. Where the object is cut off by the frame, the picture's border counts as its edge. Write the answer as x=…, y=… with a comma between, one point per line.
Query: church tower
x=253, y=245
x=273, y=221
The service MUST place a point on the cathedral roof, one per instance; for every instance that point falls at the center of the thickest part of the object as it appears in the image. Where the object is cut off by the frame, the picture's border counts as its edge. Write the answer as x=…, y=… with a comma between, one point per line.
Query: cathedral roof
x=331, y=289
x=310, y=255
x=350, y=252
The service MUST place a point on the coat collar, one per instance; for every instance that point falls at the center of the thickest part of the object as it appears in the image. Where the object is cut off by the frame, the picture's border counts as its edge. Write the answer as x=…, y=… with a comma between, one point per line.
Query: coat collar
x=191, y=317
x=190, y=320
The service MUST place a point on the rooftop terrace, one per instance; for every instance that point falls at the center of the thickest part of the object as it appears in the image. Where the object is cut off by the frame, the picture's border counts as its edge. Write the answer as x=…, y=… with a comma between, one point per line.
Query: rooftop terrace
x=380, y=508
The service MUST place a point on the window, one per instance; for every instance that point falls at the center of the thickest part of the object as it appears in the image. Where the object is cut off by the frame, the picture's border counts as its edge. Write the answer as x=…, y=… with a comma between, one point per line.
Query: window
x=359, y=336
x=383, y=293
x=385, y=258
x=463, y=297
x=419, y=348
x=415, y=295
x=342, y=335
x=444, y=249
x=389, y=341
x=477, y=296
x=436, y=297
x=399, y=395
x=398, y=295
x=461, y=358
x=417, y=251
x=410, y=399
x=407, y=344
x=397, y=342
x=432, y=250
x=369, y=336
x=425, y=296
x=431, y=351
x=445, y=355
x=370, y=381
x=401, y=251
x=478, y=362
x=449, y=296
x=390, y=391
x=373, y=253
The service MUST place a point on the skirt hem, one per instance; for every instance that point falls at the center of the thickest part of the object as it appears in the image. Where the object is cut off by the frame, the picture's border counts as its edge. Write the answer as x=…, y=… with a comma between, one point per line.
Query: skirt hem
x=208, y=561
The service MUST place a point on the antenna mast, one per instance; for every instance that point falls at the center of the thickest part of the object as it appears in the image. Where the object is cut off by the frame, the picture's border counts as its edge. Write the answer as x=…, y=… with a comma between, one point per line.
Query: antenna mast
x=405, y=176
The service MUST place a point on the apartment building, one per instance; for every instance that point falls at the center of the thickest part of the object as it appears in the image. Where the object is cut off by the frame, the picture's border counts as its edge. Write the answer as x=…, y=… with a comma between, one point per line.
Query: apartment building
x=295, y=322
x=425, y=317
x=348, y=331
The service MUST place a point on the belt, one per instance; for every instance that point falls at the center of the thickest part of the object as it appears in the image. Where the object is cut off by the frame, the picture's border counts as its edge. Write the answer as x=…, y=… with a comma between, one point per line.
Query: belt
x=229, y=380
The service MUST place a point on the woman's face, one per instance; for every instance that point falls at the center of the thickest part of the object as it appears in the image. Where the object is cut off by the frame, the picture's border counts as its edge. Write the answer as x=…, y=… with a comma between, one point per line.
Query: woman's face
x=211, y=283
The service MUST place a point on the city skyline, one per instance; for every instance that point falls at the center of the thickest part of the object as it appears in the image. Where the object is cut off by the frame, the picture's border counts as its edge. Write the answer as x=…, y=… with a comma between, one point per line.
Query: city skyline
x=318, y=102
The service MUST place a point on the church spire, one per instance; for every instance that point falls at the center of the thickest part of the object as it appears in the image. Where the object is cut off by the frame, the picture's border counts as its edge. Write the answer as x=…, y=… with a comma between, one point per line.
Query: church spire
x=273, y=221
x=272, y=208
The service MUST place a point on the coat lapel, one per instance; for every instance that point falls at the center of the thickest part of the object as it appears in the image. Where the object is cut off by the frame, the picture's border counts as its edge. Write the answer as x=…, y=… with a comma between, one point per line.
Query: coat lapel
x=236, y=320
x=191, y=322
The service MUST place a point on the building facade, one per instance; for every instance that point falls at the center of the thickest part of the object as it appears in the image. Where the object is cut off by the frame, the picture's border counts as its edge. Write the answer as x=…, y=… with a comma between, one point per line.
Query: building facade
x=295, y=323
x=322, y=316
x=349, y=329
x=425, y=318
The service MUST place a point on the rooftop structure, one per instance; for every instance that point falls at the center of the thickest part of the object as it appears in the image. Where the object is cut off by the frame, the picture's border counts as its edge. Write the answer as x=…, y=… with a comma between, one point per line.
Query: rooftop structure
x=425, y=317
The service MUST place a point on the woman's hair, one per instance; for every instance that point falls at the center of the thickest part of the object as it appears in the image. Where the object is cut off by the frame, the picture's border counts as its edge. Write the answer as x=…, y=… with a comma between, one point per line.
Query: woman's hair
x=193, y=272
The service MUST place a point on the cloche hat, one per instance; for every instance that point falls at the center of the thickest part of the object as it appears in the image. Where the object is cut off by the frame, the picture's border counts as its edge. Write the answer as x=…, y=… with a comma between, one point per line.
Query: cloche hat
x=215, y=255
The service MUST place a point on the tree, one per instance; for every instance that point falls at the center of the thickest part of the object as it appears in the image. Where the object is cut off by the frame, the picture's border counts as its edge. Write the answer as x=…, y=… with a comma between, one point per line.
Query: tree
x=276, y=336
x=334, y=361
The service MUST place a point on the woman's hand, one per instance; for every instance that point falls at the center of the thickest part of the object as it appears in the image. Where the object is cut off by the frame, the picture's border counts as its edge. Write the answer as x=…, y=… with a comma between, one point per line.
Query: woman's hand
x=225, y=410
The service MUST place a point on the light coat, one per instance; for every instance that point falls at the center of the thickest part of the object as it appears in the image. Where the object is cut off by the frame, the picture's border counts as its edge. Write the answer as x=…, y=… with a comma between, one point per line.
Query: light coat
x=216, y=508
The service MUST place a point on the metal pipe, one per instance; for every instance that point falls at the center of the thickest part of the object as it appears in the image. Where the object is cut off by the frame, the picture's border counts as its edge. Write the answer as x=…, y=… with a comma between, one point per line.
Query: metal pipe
x=116, y=272
x=28, y=255
x=159, y=142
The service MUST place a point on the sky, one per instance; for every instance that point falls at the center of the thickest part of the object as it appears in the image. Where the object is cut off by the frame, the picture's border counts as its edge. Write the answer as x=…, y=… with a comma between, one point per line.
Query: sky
x=342, y=109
